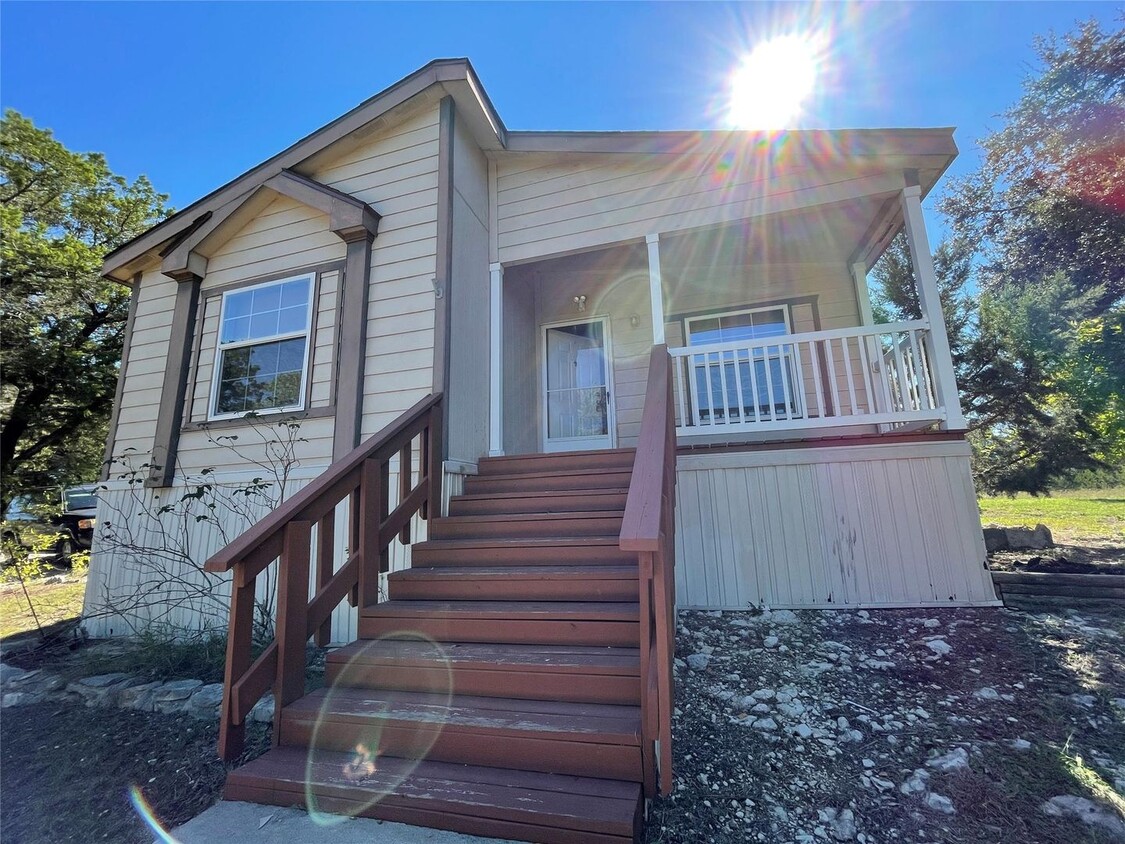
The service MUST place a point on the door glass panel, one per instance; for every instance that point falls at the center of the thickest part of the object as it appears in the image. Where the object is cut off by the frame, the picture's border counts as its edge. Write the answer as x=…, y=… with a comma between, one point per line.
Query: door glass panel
x=577, y=404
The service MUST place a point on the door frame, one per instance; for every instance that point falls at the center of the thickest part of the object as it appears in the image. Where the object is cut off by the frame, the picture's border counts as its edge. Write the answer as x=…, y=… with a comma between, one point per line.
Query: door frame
x=577, y=443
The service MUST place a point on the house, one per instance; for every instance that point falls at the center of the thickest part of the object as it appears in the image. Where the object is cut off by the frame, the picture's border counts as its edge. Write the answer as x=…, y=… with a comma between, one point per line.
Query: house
x=549, y=386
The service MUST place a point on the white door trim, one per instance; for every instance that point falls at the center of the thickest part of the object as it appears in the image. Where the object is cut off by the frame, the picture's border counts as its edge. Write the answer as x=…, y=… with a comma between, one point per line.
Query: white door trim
x=578, y=443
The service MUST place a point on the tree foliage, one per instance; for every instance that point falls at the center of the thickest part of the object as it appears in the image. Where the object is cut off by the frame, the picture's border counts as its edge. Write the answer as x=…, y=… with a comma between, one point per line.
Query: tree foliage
x=1049, y=195
x=61, y=324
x=1032, y=281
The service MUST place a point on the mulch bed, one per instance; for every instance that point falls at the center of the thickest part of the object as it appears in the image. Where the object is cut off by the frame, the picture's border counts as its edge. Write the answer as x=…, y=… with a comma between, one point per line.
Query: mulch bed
x=66, y=772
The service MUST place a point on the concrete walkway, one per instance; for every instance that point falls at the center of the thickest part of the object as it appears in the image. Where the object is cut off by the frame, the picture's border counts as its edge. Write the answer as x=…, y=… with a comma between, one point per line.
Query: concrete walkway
x=252, y=823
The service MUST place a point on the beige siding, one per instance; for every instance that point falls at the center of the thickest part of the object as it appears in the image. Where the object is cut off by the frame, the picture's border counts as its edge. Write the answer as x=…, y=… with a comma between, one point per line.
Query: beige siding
x=468, y=382
x=553, y=203
x=396, y=174
x=880, y=525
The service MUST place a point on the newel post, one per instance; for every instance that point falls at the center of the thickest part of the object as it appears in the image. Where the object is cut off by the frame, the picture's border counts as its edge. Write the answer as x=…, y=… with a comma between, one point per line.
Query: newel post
x=292, y=616
x=937, y=339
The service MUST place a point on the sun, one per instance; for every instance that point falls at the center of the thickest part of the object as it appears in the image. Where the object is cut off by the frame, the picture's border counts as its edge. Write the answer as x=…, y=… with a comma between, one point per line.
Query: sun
x=770, y=87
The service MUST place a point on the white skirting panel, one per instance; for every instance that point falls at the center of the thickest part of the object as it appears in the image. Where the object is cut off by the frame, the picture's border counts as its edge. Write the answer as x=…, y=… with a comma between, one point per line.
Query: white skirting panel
x=152, y=575
x=860, y=526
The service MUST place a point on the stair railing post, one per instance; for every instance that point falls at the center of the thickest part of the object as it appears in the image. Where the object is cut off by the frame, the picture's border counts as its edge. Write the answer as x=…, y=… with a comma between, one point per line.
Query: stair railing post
x=232, y=730
x=325, y=551
x=370, y=512
x=292, y=618
x=434, y=458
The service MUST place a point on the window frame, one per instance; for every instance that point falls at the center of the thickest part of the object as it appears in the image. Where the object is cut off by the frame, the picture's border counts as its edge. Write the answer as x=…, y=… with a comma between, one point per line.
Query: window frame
x=307, y=332
x=688, y=320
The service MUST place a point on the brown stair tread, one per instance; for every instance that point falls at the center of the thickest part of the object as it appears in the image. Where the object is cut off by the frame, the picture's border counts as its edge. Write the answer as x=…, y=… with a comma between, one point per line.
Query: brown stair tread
x=466, y=792
x=561, y=572
x=491, y=657
x=508, y=610
x=608, y=491
x=531, y=517
x=524, y=542
x=595, y=722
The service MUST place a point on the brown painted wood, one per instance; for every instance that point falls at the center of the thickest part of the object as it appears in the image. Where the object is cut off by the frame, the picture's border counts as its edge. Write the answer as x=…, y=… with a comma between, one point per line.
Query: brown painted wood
x=531, y=583
x=325, y=554
x=546, y=481
x=470, y=799
x=529, y=672
x=292, y=608
x=522, y=463
x=561, y=501
x=501, y=629
x=521, y=552
x=535, y=525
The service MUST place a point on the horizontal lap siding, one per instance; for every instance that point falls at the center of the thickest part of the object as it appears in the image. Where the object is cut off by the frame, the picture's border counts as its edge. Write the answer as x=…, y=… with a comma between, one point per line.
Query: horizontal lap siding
x=552, y=204
x=148, y=358
x=870, y=526
x=396, y=174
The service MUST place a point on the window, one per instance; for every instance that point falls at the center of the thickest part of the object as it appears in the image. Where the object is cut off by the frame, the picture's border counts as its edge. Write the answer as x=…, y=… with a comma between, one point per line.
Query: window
x=743, y=380
x=261, y=358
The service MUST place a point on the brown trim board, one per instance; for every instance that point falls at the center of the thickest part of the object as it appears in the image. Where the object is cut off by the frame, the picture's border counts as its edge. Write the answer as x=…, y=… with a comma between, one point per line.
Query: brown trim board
x=119, y=392
x=825, y=442
x=443, y=281
x=174, y=391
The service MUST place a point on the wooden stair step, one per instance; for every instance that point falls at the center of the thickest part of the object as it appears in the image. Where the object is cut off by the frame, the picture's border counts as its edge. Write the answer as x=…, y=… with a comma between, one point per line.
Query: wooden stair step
x=516, y=525
x=471, y=799
x=533, y=672
x=560, y=737
x=532, y=583
x=528, y=551
x=553, y=501
x=596, y=459
x=609, y=623
x=569, y=479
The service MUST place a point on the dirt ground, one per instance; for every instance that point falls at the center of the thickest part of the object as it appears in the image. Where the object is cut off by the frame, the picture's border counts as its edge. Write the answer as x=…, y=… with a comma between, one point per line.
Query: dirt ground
x=1091, y=557
x=966, y=725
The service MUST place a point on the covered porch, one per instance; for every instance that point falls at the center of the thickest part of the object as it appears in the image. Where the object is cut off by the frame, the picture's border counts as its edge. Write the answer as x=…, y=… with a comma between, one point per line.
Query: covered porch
x=768, y=323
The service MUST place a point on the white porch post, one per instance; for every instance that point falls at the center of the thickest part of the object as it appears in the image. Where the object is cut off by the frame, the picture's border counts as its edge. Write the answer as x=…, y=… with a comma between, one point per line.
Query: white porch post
x=937, y=339
x=655, y=290
x=862, y=294
x=496, y=361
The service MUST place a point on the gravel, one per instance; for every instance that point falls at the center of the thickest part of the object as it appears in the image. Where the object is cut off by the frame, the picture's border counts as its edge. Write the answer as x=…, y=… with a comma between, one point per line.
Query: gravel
x=896, y=725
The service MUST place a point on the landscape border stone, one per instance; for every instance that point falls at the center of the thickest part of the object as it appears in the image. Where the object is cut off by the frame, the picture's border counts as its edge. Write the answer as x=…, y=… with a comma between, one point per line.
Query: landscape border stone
x=20, y=687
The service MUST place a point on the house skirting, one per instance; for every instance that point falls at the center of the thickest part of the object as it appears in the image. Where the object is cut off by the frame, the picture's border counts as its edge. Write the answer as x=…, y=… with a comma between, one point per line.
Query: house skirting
x=892, y=525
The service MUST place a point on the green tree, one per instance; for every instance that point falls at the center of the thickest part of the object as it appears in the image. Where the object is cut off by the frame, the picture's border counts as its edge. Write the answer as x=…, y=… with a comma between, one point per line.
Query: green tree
x=61, y=323
x=1047, y=197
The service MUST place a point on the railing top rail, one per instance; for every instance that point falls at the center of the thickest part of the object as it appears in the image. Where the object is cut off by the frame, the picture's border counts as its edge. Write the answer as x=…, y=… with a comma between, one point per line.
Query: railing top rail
x=640, y=525
x=789, y=339
x=226, y=558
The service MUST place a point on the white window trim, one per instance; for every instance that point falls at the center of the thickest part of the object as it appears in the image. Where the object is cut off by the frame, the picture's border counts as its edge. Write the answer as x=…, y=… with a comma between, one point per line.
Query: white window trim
x=739, y=312
x=220, y=347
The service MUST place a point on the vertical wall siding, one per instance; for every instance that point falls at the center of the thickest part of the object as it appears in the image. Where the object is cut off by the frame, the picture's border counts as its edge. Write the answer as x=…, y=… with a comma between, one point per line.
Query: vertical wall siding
x=874, y=525
x=165, y=583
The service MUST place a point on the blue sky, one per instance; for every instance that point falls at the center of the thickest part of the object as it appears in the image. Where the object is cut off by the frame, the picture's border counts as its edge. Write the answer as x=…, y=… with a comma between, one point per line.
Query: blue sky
x=193, y=94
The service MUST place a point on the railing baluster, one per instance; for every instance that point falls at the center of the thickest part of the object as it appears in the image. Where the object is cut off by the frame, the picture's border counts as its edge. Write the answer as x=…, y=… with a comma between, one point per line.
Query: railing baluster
x=783, y=371
x=798, y=369
x=370, y=517
x=770, y=403
x=865, y=367
x=818, y=387
x=723, y=387
x=900, y=370
x=692, y=379
x=848, y=374
x=679, y=370
x=833, y=380
x=405, y=484
x=919, y=384
x=754, y=385
x=325, y=551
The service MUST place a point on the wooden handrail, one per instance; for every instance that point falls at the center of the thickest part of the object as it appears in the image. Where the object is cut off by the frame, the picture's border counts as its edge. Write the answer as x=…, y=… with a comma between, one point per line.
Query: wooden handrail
x=648, y=528
x=362, y=478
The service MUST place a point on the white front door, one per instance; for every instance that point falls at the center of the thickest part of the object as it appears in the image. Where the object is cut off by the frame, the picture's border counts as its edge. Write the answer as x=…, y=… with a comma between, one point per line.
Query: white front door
x=577, y=406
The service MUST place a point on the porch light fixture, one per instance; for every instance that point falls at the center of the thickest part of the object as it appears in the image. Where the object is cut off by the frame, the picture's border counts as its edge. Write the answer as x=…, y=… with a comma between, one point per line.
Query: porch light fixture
x=580, y=301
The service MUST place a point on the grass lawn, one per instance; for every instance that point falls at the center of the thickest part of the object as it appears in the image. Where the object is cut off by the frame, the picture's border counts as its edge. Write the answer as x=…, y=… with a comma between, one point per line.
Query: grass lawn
x=1072, y=516
x=54, y=602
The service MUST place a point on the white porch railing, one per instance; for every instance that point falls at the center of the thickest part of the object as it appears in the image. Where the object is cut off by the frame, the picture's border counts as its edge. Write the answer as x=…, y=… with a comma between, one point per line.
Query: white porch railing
x=868, y=375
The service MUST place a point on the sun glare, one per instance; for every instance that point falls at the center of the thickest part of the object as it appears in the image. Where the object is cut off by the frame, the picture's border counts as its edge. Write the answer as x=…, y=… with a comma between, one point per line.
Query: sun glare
x=770, y=86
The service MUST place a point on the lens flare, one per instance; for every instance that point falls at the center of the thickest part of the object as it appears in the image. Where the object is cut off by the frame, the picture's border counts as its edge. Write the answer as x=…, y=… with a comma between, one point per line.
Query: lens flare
x=392, y=744
x=769, y=88
x=144, y=810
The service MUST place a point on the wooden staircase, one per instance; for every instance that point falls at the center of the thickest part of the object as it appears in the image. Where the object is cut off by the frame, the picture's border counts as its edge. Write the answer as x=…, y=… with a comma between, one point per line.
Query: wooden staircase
x=498, y=689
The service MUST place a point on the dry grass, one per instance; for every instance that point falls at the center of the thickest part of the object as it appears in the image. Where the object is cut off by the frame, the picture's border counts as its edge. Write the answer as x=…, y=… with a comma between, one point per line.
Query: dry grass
x=54, y=603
